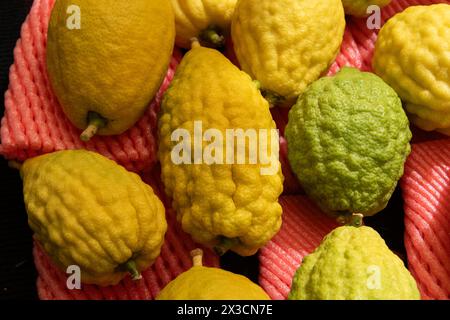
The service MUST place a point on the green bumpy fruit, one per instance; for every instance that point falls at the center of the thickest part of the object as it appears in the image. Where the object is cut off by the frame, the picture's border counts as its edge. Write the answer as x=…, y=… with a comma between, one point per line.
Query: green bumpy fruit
x=348, y=138
x=353, y=264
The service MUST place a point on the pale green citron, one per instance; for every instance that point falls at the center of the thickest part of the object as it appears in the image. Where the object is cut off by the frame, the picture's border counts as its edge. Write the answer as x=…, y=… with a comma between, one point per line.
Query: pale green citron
x=203, y=283
x=353, y=264
x=348, y=138
x=105, y=73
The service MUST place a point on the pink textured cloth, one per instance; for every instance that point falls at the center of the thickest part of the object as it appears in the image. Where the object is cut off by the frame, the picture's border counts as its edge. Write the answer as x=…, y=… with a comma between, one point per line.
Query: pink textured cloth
x=34, y=123
x=174, y=259
x=304, y=227
x=426, y=193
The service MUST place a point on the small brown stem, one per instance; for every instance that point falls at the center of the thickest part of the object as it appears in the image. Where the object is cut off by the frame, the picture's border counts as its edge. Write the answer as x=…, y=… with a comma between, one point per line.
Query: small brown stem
x=273, y=98
x=195, y=43
x=212, y=37
x=95, y=122
x=225, y=244
x=197, y=257
x=356, y=220
x=257, y=84
x=132, y=269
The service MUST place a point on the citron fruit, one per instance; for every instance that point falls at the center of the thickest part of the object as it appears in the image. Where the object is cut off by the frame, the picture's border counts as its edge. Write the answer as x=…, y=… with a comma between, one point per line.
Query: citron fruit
x=207, y=20
x=203, y=283
x=287, y=44
x=412, y=55
x=106, y=60
x=348, y=139
x=353, y=263
x=358, y=8
x=222, y=201
x=86, y=210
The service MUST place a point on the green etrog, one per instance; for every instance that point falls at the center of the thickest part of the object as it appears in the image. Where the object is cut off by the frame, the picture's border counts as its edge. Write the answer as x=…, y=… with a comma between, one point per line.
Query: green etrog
x=353, y=264
x=348, y=139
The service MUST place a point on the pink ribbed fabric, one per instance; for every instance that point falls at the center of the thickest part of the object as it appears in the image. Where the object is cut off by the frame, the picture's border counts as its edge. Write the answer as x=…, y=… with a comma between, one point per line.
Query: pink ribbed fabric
x=426, y=193
x=304, y=227
x=34, y=123
x=174, y=259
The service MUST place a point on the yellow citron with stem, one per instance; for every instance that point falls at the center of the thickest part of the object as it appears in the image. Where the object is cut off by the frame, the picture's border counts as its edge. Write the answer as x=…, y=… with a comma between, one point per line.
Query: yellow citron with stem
x=223, y=204
x=88, y=211
x=353, y=263
x=106, y=69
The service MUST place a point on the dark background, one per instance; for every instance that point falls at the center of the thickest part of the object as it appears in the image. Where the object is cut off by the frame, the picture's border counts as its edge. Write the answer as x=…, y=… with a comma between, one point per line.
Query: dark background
x=17, y=272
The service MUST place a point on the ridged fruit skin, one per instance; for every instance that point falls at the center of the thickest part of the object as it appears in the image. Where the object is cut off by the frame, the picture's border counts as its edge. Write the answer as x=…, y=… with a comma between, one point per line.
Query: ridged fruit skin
x=287, y=44
x=358, y=8
x=348, y=139
x=203, y=283
x=86, y=210
x=412, y=55
x=114, y=64
x=219, y=200
x=353, y=264
x=194, y=16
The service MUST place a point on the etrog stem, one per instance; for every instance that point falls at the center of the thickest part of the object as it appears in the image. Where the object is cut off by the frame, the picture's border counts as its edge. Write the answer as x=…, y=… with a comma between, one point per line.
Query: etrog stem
x=130, y=266
x=95, y=122
x=197, y=257
x=195, y=43
x=212, y=37
x=356, y=220
x=225, y=244
x=273, y=98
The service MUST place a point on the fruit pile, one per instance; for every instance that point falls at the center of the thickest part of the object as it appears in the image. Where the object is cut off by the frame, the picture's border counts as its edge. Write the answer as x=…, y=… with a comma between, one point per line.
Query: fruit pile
x=146, y=130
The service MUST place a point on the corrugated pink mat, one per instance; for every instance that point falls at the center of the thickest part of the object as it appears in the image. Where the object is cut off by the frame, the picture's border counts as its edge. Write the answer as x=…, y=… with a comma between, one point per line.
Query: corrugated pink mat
x=426, y=192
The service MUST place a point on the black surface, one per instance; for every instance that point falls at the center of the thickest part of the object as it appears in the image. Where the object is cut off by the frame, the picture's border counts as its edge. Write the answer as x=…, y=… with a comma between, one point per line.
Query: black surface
x=17, y=273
